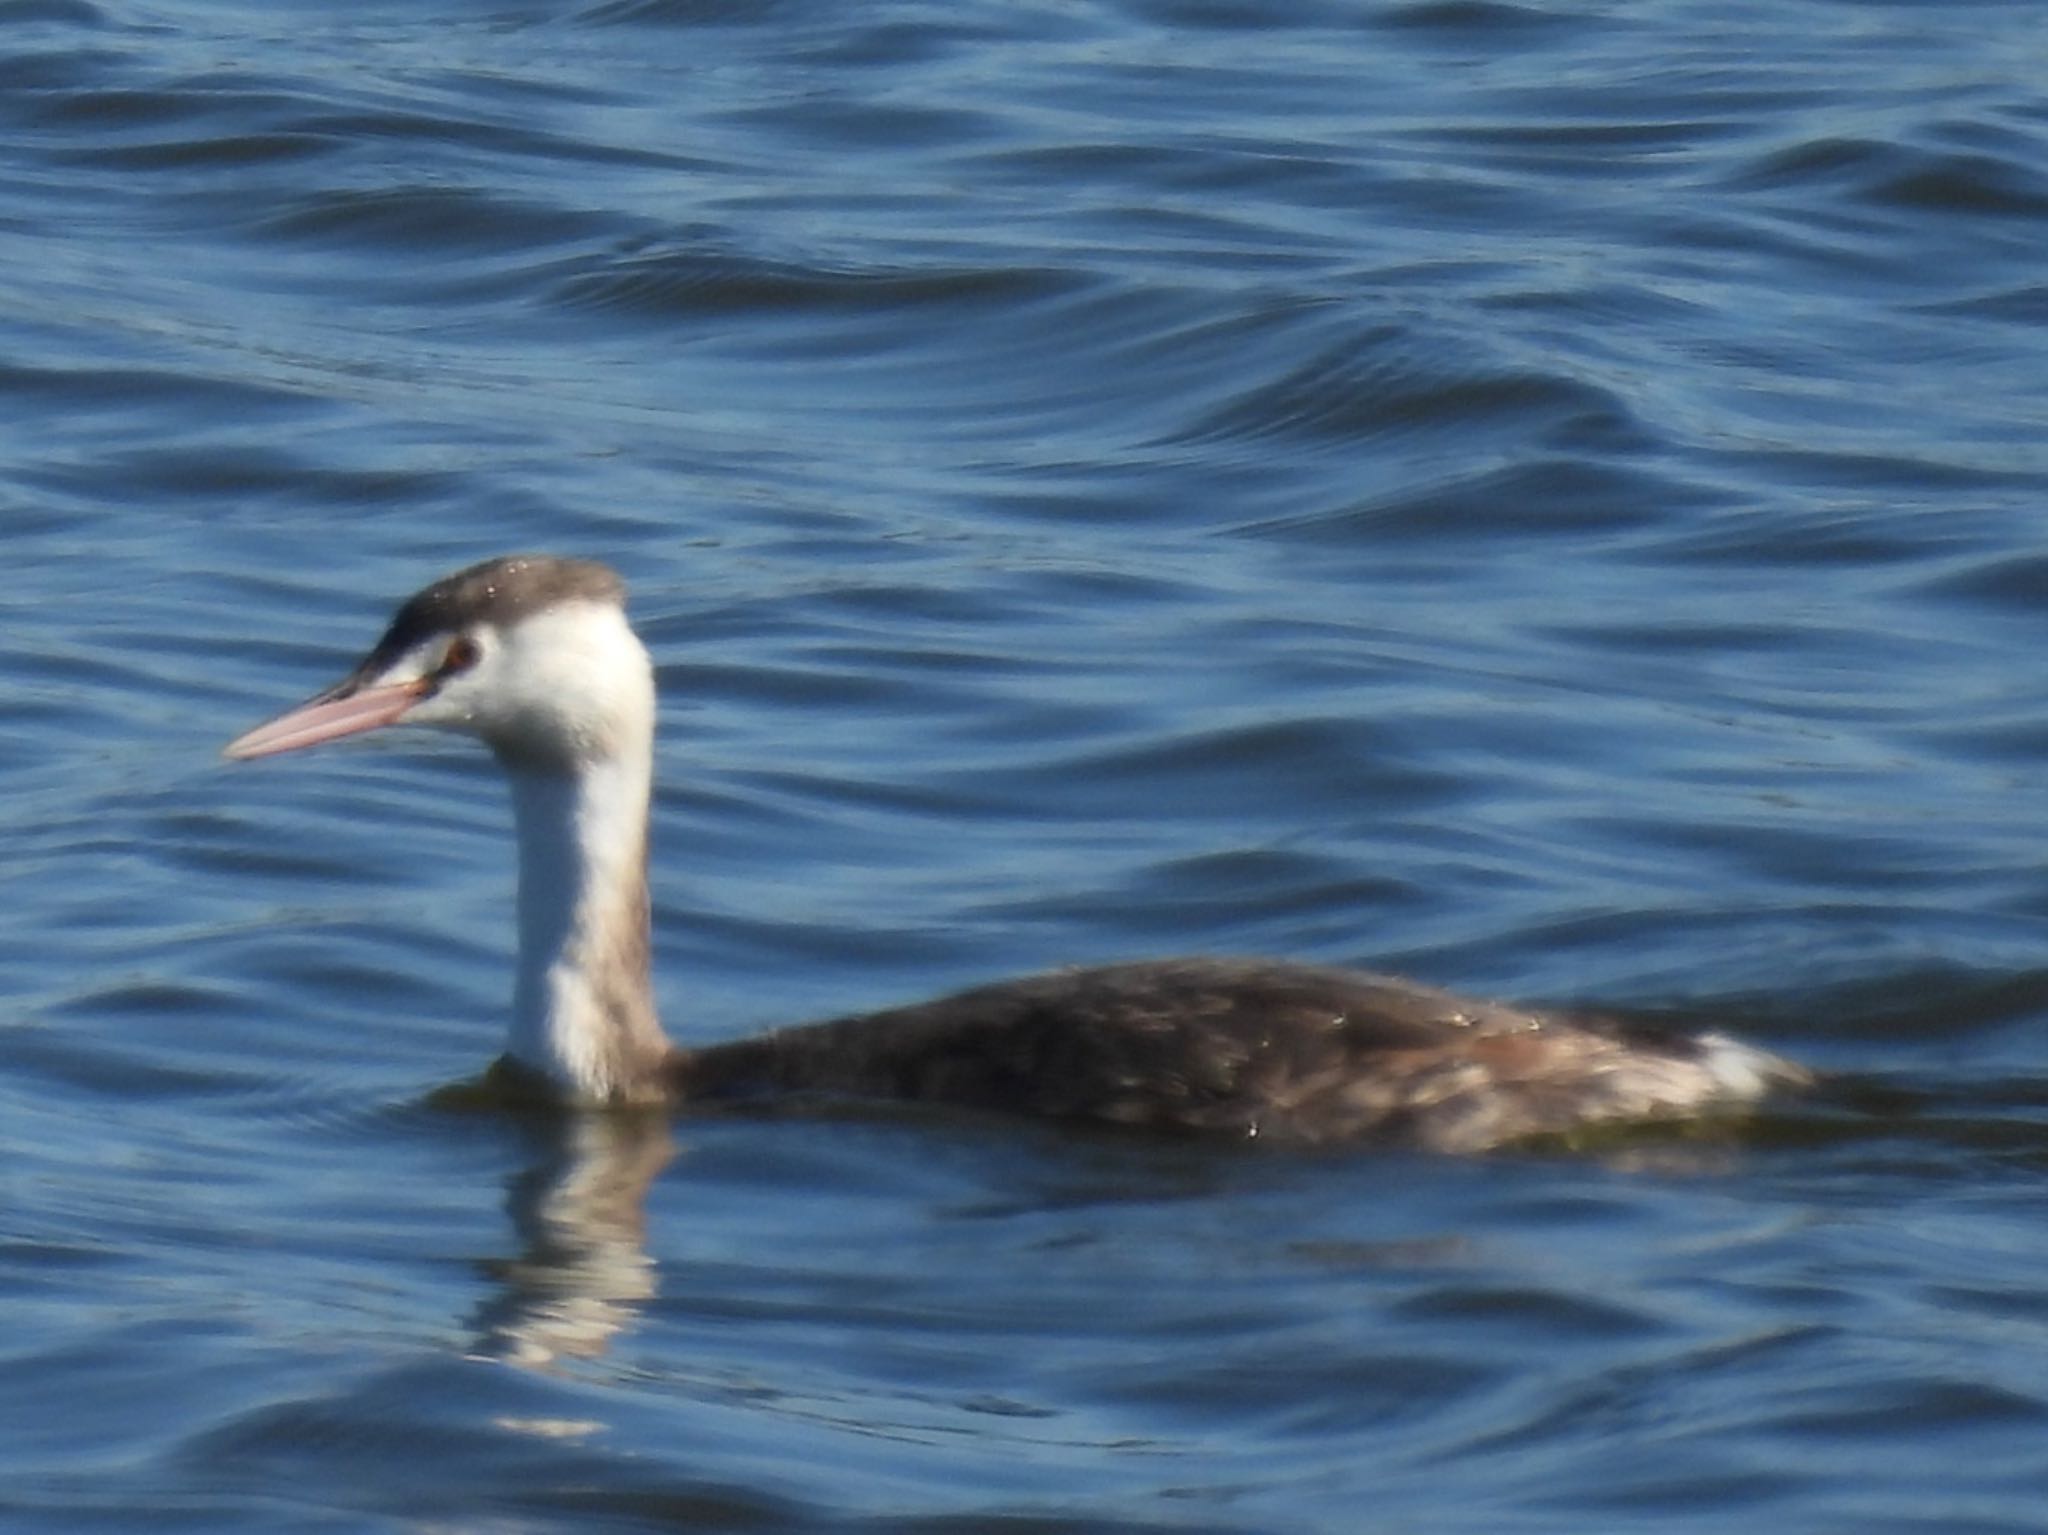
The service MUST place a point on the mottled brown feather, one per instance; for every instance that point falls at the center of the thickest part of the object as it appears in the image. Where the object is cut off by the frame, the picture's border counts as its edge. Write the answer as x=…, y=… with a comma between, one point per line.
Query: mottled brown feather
x=1240, y=1047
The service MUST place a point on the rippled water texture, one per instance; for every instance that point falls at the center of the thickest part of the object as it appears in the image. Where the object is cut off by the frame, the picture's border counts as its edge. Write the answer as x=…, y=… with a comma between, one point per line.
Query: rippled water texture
x=1547, y=497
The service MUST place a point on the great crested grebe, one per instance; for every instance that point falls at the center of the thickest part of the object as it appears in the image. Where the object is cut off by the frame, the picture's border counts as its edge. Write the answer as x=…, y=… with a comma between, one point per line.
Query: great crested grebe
x=533, y=655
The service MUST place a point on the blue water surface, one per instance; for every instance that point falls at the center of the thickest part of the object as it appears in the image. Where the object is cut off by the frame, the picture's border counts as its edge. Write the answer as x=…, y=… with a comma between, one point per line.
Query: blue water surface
x=1544, y=496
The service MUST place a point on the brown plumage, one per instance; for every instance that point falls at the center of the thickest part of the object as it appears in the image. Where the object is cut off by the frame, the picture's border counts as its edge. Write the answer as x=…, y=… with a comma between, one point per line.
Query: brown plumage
x=1246, y=1048
x=532, y=655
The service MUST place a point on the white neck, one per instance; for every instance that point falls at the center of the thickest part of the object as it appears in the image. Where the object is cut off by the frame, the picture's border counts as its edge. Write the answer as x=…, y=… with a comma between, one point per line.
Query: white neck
x=583, y=1012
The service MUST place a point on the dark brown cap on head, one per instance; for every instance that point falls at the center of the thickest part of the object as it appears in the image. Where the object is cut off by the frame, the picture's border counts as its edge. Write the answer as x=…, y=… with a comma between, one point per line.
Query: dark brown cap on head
x=500, y=592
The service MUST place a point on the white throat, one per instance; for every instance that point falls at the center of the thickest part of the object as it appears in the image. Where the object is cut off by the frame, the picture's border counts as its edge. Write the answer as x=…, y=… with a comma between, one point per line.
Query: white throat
x=569, y=710
x=582, y=1013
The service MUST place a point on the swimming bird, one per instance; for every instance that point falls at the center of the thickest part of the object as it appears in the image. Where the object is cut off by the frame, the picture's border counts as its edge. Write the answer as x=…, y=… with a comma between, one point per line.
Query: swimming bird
x=533, y=655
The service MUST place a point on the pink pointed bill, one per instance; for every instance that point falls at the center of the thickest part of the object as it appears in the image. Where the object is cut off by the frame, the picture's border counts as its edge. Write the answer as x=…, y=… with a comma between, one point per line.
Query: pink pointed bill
x=325, y=718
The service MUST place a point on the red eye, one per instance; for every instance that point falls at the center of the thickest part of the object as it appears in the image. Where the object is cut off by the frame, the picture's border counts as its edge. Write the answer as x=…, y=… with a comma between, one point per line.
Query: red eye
x=462, y=653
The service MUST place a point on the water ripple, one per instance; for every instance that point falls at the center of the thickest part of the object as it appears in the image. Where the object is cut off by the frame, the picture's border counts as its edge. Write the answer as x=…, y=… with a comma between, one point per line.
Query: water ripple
x=1541, y=496
x=685, y=285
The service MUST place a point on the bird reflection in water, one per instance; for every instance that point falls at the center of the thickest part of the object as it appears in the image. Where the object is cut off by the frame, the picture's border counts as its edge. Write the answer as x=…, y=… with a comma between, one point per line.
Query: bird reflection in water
x=583, y=1271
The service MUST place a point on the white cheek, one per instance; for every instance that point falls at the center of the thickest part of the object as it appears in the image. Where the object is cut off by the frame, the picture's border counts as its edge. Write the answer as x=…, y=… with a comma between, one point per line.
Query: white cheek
x=573, y=680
